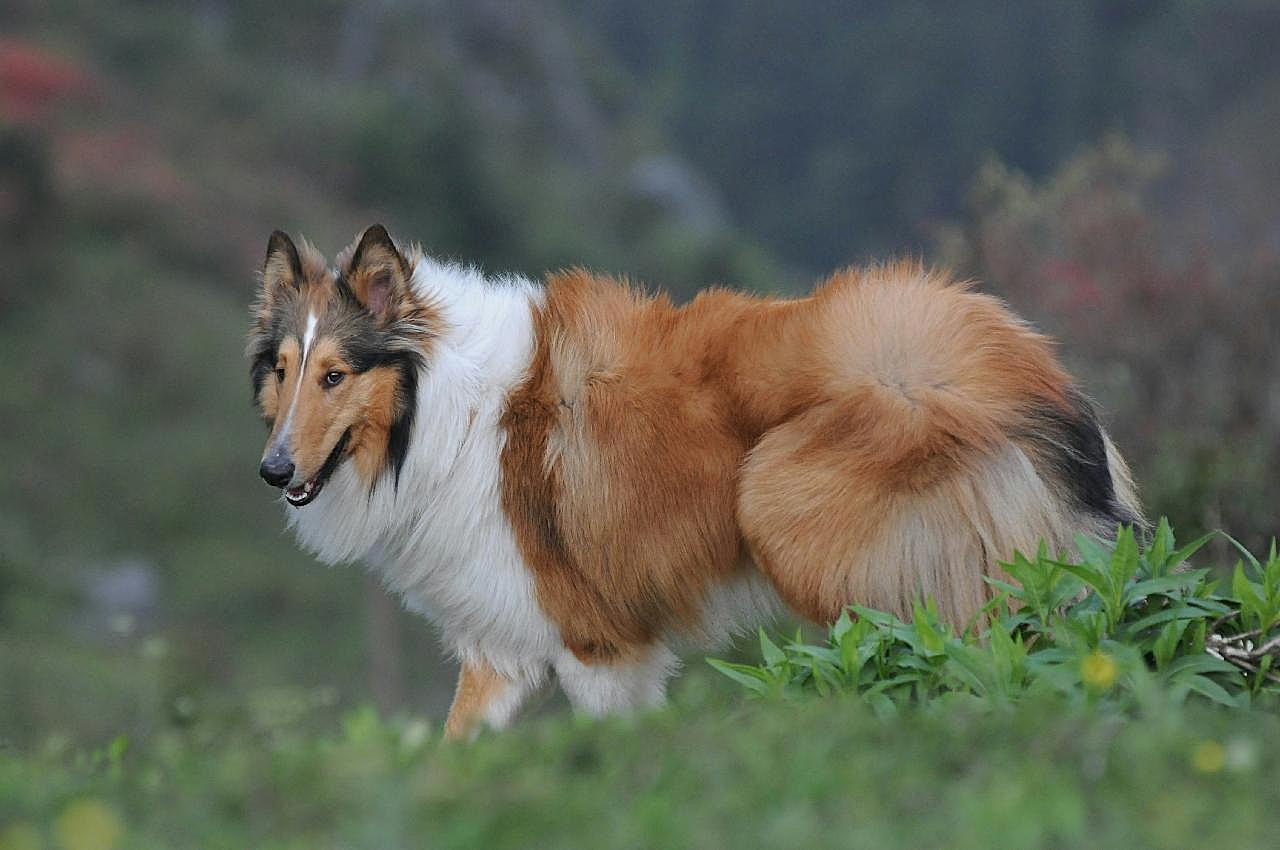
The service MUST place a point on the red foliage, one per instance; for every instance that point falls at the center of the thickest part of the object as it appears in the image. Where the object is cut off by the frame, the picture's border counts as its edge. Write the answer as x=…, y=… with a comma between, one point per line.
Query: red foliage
x=33, y=80
x=1170, y=327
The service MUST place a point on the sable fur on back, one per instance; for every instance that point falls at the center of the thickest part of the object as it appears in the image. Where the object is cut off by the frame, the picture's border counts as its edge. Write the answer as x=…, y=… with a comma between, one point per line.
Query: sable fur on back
x=894, y=434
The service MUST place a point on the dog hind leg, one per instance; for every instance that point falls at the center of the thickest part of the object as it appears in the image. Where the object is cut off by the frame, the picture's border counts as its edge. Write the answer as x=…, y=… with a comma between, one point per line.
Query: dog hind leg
x=602, y=688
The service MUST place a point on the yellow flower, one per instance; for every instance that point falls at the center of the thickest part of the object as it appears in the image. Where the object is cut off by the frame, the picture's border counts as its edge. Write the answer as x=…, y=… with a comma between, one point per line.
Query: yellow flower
x=1208, y=756
x=88, y=825
x=1098, y=670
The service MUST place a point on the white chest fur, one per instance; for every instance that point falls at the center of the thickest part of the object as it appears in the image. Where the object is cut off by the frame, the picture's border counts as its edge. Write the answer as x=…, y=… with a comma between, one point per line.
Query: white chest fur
x=441, y=540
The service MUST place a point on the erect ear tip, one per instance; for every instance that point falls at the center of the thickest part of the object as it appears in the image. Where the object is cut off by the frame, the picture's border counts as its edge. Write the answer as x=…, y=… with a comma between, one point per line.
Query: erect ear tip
x=374, y=238
x=279, y=245
x=376, y=234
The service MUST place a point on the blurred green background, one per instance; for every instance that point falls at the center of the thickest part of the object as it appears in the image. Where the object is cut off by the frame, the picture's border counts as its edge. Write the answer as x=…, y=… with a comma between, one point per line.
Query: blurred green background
x=1110, y=167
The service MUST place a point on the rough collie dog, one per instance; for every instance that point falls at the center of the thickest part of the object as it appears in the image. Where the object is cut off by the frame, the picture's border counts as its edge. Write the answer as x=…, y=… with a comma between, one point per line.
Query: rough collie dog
x=576, y=477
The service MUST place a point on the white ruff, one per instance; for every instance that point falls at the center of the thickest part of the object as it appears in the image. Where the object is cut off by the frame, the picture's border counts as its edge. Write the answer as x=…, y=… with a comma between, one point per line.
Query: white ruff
x=441, y=540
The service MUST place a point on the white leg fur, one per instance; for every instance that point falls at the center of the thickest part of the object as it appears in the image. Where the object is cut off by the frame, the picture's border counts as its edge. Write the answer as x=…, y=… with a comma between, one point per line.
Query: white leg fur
x=598, y=689
x=502, y=709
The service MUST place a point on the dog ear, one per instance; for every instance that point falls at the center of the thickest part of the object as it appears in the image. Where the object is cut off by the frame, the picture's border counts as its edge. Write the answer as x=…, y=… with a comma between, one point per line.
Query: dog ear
x=283, y=266
x=378, y=274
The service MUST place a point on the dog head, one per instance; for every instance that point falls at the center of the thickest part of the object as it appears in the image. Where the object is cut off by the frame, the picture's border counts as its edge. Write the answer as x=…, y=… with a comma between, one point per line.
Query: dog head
x=335, y=358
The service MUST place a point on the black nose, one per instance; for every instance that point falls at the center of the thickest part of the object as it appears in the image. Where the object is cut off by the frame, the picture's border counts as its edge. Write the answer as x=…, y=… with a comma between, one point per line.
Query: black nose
x=277, y=468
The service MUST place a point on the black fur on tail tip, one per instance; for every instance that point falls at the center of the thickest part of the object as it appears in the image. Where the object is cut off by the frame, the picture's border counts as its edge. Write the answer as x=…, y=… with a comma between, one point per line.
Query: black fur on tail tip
x=1074, y=455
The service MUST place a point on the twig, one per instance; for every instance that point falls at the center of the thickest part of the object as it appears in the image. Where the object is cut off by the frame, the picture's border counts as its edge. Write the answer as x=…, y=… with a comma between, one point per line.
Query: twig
x=1228, y=648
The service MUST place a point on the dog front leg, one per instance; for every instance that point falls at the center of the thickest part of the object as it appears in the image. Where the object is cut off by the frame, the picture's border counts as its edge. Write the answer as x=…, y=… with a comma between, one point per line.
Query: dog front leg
x=485, y=696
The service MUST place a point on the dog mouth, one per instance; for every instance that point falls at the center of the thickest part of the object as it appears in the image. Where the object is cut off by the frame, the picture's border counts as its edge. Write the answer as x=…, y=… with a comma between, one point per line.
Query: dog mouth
x=305, y=492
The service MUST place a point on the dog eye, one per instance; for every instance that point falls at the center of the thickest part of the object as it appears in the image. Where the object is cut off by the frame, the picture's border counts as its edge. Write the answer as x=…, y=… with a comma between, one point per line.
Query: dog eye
x=280, y=375
x=332, y=379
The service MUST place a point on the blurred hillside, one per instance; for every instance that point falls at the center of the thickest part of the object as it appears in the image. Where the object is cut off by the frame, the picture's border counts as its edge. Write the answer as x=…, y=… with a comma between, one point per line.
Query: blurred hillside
x=146, y=150
x=841, y=132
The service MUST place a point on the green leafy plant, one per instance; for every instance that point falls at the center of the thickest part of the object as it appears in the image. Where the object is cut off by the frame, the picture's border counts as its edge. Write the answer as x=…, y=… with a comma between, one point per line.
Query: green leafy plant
x=1121, y=622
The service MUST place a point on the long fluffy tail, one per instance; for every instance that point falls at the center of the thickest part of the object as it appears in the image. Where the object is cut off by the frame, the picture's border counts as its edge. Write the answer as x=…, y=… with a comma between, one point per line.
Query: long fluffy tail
x=949, y=438
x=1073, y=453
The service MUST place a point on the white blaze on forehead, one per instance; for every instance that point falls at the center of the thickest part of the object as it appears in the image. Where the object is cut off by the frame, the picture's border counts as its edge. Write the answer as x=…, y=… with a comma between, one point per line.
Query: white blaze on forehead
x=308, y=336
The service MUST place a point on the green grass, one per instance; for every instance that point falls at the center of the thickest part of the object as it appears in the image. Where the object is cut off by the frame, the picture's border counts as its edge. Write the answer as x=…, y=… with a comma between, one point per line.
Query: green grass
x=1092, y=713
x=1121, y=623
x=710, y=771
